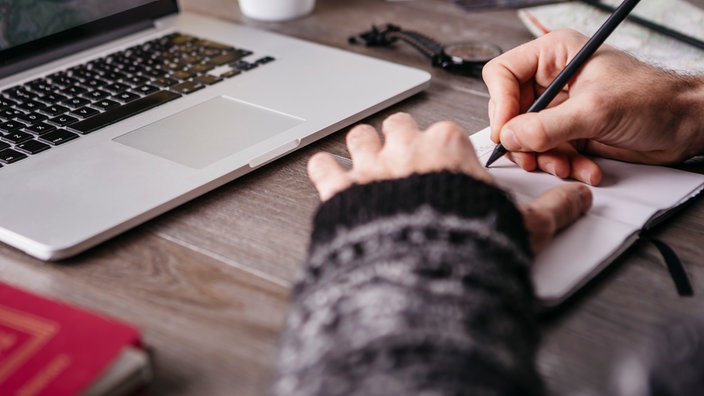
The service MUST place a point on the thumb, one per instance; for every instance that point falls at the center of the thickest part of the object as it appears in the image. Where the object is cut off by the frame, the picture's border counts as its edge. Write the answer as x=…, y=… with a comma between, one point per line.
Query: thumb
x=548, y=128
x=554, y=210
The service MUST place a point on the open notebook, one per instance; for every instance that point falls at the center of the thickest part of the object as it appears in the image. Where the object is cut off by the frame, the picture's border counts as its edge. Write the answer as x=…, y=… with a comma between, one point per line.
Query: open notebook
x=630, y=198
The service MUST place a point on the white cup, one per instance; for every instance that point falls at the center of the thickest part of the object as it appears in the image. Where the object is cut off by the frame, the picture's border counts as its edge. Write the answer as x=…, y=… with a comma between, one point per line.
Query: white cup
x=276, y=10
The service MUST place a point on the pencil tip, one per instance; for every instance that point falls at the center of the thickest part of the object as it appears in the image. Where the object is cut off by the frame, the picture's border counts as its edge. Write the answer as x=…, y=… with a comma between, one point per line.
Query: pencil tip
x=498, y=152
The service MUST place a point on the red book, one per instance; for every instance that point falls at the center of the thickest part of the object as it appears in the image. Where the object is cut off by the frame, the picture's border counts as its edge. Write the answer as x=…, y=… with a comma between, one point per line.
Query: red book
x=51, y=348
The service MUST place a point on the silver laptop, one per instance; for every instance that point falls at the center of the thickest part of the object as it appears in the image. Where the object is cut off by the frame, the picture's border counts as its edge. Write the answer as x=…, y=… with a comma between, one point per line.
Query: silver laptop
x=114, y=112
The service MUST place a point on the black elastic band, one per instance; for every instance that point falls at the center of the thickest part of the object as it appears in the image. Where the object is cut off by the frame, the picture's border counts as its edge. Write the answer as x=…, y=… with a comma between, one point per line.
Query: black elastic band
x=674, y=266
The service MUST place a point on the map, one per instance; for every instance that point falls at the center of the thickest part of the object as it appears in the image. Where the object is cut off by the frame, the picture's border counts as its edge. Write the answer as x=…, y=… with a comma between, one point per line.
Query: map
x=22, y=21
x=640, y=41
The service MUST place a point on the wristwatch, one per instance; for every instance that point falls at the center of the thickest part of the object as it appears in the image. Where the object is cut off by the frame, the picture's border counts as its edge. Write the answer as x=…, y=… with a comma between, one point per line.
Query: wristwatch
x=464, y=58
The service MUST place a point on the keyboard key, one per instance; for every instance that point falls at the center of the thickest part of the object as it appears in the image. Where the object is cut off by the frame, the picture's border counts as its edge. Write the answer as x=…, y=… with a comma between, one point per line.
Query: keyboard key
x=64, y=80
x=30, y=105
x=264, y=60
x=146, y=89
x=192, y=59
x=200, y=69
x=243, y=65
x=62, y=120
x=73, y=91
x=98, y=94
x=120, y=113
x=40, y=128
x=105, y=104
x=231, y=73
x=76, y=102
x=85, y=112
x=19, y=94
x=4, y=145
x=31, y=118
x=224, y=59
x=9, y=114
x=53, y=98
x=117, y=87
x=208, y=79
x=164, y=82
x=214, y=45
x=17, y=137
x=126, y=97
x=59, y=136
x=94, y=83
x=41, y=86
x=155, y=73
x=5, y=102
x=187, y=87
x=11, y=126
x=135, y=80
x=32, y=147
x=9, y=156
x=112, y=75
x=181, y=75
x=54, y=110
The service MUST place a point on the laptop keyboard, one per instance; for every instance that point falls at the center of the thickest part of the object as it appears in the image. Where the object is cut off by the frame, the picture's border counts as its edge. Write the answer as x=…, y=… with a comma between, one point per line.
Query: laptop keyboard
x=62, y=106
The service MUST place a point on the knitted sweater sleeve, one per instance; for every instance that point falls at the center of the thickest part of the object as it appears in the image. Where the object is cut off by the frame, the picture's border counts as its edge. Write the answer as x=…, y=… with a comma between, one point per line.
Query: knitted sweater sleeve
x=416, y=286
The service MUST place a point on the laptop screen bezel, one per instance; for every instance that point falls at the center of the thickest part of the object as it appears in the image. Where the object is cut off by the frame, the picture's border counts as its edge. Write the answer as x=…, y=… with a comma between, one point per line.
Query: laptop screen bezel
x=90, y=33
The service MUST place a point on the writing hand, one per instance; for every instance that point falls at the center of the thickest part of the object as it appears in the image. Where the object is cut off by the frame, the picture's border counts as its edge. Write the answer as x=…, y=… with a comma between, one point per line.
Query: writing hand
x=615, y=107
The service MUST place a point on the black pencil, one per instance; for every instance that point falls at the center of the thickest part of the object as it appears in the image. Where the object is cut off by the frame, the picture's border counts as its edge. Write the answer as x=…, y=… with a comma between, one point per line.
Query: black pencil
x=651, y=25
x=573, y=66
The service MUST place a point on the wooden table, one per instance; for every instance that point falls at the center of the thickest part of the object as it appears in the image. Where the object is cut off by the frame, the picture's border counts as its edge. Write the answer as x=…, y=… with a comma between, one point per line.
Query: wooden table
x=208, y=282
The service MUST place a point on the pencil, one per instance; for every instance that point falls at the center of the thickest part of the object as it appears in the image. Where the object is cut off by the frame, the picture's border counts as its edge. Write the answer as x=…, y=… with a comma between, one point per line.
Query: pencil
x=651, y=25
x=573, y=66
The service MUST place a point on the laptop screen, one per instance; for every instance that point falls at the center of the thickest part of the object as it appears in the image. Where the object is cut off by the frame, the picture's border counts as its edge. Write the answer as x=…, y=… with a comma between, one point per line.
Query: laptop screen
x=22, y=21
x=31, y=28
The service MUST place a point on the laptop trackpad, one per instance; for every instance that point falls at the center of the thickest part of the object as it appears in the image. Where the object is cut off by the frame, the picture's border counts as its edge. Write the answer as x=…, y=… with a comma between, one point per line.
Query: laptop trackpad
x=208, y=132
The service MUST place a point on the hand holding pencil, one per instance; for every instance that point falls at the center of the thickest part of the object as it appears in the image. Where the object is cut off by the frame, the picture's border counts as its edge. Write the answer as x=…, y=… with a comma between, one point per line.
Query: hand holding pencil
x=615, y=106
x=574, y=65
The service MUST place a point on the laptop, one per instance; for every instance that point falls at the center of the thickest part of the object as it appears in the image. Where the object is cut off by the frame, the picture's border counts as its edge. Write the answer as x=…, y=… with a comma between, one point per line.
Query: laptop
x=112, y=113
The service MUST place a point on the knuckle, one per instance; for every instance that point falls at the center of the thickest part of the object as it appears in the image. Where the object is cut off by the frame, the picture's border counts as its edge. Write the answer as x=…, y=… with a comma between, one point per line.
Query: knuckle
x=447, y=132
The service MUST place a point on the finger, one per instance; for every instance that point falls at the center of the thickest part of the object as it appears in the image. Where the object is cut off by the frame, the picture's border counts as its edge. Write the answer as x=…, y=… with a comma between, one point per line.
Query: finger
x=399, y=129
x=504, y=91
x=527, y=161
x=363, y=143
x=566, y=162
x=585, y=170
x=327, y=175
x=448, y=138
x=565, y=203
x=445, y=145
x=554, y=210
x=555, y=162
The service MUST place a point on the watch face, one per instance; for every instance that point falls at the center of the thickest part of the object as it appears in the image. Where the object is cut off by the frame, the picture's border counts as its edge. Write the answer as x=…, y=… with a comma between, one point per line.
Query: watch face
x=472, y=51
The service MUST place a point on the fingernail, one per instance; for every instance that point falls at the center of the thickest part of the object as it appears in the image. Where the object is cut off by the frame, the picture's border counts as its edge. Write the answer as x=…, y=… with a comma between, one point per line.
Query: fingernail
x=509, y=141
x=586, y=177
x=550, y=168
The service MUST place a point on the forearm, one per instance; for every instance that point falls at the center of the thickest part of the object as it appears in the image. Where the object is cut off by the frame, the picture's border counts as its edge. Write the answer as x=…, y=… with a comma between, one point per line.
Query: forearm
x=413, y=285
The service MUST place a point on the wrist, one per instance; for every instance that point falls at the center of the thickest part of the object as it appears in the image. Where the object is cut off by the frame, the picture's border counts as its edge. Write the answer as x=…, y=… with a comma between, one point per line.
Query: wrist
x=690, y=133
x=445, y=192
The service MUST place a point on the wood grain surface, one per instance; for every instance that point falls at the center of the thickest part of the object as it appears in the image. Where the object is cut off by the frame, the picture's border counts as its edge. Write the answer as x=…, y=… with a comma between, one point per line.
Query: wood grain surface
x=208, y=282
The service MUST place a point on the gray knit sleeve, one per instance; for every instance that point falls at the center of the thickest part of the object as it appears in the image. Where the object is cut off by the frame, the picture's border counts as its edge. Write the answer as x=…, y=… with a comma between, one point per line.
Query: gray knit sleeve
x=417, y=286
